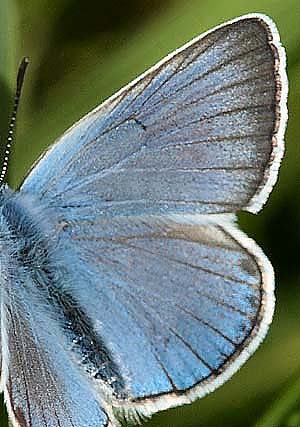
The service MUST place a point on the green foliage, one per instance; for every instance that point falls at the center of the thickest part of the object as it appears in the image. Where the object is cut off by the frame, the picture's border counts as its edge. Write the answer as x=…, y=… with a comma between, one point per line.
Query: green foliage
x=78, y=58
x=284, y=411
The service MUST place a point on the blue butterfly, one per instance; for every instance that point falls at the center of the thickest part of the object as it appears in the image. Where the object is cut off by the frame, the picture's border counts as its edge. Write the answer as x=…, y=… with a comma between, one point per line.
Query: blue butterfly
x=126, y=286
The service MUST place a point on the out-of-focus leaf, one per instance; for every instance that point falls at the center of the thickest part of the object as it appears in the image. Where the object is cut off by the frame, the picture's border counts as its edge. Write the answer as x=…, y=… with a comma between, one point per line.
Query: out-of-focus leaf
x=285, y=411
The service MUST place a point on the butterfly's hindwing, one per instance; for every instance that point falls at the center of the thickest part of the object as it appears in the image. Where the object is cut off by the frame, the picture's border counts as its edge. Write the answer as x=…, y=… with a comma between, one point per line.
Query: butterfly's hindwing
x=188, y=297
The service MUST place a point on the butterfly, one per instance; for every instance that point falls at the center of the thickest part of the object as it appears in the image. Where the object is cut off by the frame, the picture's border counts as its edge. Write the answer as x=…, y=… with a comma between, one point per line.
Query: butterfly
x=126, y=285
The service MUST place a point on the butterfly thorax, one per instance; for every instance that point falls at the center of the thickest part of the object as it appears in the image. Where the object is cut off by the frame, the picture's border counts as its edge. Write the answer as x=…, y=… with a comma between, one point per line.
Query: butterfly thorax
x=23, y=243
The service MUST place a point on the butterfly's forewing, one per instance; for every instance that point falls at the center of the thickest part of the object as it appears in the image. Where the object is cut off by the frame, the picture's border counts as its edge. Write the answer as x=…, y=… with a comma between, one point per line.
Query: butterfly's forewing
x=194, y=134
x=170, y=306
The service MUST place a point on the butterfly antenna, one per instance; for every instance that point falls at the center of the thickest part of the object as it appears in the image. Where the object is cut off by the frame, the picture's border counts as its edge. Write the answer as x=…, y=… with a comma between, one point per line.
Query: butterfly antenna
x=10, y=135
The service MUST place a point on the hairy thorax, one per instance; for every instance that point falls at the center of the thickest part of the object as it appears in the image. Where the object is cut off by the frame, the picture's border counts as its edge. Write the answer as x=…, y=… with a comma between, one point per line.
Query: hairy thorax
x=24, y=247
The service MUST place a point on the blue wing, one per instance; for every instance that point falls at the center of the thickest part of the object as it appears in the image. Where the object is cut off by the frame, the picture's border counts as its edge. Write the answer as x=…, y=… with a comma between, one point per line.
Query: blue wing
x=175, y=303
x=199, y=132
x=179, y=304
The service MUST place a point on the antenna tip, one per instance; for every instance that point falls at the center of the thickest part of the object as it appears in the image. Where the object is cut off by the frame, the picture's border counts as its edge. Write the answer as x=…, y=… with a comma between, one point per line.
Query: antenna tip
x=21, y=72
x=24, y=63
x=25, y=60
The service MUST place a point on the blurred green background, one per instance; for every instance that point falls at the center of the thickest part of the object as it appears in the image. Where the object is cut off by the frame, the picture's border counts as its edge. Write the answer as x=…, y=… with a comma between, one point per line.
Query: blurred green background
x=82, y=52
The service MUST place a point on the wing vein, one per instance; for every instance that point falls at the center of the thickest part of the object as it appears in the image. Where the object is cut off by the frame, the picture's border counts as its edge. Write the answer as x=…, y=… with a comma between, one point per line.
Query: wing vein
x=192, y=350
x=197, y=267
x=214, y=92
x=219, y=66
x=205, y=323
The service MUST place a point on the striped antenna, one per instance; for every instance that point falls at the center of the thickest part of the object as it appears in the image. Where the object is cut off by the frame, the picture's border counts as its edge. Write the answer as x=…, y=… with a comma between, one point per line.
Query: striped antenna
x=10, y=136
